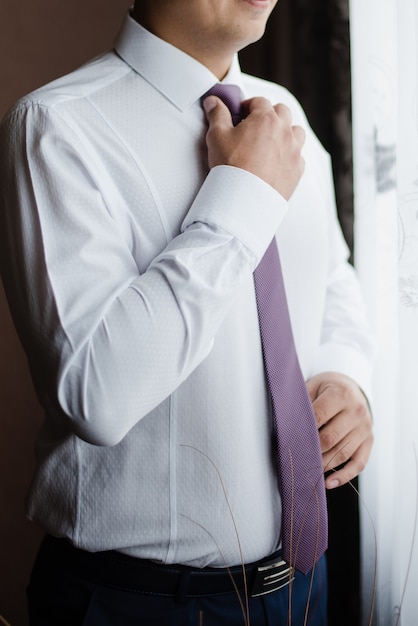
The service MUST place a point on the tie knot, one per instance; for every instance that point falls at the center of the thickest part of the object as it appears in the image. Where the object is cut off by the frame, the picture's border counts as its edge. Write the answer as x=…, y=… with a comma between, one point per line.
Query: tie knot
x=231, y=96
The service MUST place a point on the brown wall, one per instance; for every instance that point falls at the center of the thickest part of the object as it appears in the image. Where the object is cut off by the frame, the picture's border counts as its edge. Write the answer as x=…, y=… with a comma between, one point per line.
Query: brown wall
x=39, y=40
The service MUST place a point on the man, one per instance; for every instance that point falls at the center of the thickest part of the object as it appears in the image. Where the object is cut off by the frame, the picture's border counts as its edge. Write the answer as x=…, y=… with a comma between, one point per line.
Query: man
x=132, y=223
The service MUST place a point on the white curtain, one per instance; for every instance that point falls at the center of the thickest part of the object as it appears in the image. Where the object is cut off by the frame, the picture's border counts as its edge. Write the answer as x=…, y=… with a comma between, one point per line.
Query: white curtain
x=385, y=126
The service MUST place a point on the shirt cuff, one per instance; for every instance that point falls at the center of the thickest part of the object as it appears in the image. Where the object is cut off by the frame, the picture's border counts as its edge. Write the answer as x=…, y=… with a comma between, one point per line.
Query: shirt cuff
x=240, y=203
x=348, y=361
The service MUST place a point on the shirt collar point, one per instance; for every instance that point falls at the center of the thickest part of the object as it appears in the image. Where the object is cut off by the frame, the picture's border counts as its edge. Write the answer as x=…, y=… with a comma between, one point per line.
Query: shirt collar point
x=179, y=77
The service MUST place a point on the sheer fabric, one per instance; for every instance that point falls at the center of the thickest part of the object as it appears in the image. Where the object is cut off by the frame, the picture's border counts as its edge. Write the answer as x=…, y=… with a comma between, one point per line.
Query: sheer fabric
x=385, y=126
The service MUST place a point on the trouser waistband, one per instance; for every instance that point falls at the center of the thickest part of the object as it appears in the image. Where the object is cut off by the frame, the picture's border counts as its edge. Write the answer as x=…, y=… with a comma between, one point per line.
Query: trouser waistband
x=114, y=569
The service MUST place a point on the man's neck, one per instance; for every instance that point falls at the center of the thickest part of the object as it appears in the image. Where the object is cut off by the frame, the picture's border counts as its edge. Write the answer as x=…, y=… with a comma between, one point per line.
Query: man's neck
x=217, y=62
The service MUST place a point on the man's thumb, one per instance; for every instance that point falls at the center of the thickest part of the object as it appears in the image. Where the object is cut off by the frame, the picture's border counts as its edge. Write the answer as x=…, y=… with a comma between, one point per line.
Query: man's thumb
x=216, y=110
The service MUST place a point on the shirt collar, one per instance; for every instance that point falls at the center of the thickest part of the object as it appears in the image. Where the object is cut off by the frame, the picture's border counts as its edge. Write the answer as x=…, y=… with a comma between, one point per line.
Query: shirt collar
x=179, y=77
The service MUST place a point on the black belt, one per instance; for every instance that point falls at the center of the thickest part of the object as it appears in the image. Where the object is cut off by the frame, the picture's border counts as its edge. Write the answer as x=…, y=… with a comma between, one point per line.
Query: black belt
x=114, y=569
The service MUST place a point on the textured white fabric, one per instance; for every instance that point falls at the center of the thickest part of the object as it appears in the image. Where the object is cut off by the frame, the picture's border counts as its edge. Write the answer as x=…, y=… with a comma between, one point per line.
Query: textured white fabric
x=385, y=95
x=128, y=270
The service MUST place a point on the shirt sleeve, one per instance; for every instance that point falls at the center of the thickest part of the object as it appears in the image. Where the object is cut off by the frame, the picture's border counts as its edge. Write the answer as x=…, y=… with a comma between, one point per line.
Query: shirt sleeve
x=105, y=344
x=347, y=341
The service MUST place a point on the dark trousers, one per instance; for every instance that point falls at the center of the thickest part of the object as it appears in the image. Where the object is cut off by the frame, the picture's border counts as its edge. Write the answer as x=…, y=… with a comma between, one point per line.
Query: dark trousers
x=61, y=596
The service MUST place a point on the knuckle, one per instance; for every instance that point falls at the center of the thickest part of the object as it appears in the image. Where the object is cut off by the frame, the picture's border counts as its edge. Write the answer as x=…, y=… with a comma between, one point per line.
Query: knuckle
x=345, y=477
x=260, y=105
x=345, y=394
x=328, y=440
x=260, y=101
x=361, y=415
x=356, y=467
x=299, y=133
x=342, y=456
x=271, y=118
x=361, y=465
x=212, y=130
x=320, y=418
x=283, y=110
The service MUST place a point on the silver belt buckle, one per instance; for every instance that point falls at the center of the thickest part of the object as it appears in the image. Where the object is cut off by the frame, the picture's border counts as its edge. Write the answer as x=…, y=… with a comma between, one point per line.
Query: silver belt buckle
x=271, y=576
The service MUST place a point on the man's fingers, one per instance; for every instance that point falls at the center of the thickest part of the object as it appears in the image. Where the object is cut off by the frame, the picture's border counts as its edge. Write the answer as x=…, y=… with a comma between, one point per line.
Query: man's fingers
x=353, y=468
x=265, y=143
x=346, y=448
x=340, y=454
x=333, y=434
x=326, y=406
x=283, y=112
x=345, y=424
x=299, y=134
x=257, y=104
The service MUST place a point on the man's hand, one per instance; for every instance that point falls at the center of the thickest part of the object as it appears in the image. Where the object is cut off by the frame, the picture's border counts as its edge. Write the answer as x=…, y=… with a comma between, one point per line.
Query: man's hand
x=265, y=143
x=345, y=424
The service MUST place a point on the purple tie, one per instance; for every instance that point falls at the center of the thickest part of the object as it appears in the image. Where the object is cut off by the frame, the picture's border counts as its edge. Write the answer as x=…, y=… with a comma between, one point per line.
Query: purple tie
x=300, y=470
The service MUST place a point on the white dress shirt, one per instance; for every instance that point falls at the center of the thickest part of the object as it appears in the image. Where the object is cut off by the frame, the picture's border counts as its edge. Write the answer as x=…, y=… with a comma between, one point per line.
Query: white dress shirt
x=128, y=269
